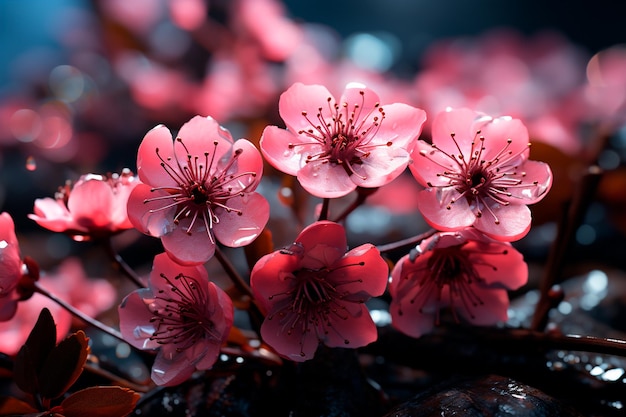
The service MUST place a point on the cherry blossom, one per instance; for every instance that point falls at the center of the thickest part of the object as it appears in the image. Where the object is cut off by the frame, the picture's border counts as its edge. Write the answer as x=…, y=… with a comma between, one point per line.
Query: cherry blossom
x=477, y=173
x=464, y=271
x=335, y=146
x=197, y=190
x=10, y=267
x=182, y=315
x=94, y=207
x=314, y=292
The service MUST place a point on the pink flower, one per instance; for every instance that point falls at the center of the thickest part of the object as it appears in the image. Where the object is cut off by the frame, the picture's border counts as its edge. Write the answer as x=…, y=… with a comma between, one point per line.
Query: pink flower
x=94, y=207
x=477, y=173
x=465, y=271
x=198, y=189
x=10, y=267
x=315, y=292
x=335, y=146
x=182, y=314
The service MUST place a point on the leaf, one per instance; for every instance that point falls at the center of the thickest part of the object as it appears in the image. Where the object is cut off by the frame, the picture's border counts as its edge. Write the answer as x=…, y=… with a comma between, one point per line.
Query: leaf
x=42, y=338
x=100, y=402
x=12, y=406
x=64, y=365
x=34, y=352
x=25, y=372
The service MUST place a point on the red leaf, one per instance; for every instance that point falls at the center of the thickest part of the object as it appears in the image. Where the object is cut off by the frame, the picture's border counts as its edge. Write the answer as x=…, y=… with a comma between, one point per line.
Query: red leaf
x=10, y=406
x=100, y=402
x=64, y=365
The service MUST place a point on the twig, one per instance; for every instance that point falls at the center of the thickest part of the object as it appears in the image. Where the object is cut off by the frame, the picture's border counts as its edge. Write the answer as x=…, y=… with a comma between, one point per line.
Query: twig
x=119, y=261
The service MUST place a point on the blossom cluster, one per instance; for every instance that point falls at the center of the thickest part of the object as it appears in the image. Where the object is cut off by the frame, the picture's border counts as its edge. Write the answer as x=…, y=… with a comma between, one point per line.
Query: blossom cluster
x=198, y=191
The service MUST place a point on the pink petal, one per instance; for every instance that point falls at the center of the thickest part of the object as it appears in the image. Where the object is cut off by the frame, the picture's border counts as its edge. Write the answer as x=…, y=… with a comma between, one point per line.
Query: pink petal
x=428, y=162
x=325, y=180
x=149, y=167
x=134, y=316
x=461, y=123
x=410, y=321
x=149, y=217
x=163, y=264
x=301, y=98
x=236, y=230
x=362, y=273
x=383, y=165
x=495, y=303
x=499, y=264
x=171, y=372
x=499, y=131
x=295, y=345
x=514, y=222
x=275, y=148
x=535, y=171
x=200, y=135
x=81, y=203
x=53, y=215
x=402, y=125
x=191, y=248
x=249, y=161
x=355, y=331
x=366, y=102
x=271, y=276
x=432, y=205
x=323, y=242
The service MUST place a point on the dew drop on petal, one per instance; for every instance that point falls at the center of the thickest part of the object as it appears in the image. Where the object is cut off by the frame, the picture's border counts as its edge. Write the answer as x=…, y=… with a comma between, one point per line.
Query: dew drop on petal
x=142, y=332
x=31, y=164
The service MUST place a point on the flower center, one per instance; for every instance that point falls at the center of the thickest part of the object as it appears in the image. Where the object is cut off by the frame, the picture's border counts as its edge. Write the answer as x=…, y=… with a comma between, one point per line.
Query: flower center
x=180, y=318
x=204, y=187
x=313, y=303
x=453, y=268
x=344, y=137
x=485, y=183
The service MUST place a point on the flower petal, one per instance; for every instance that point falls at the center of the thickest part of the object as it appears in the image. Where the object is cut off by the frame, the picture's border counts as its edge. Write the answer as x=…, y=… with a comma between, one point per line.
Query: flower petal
x=135, y=319
x=493, y=308
x=189, y=247
x=539, y=179
x=513, y=222
x=432, y=205
x=237, y=230
x=147, y=214
x=352, y=332
x=294, y=343
x=325, y=179
x=309, y=99
x=202, y=135
x=157, y=146
x=275, y=146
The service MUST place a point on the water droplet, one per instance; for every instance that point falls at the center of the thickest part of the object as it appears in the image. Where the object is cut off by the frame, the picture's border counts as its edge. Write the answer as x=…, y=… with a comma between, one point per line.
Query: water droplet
x=31, y=164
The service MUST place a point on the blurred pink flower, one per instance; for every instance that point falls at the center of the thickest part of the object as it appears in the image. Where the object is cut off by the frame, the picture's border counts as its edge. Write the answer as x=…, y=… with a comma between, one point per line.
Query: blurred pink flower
x=333, y=147
x=477, y=173
x=182, y=314
x=314, y=292
x=94, y=207
x=69, y=283
x=10, y=267
x=464, y=271
x=197, y=189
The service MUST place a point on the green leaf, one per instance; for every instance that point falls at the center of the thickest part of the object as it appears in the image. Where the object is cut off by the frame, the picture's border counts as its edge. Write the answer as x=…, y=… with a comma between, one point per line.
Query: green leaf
x=63, y=365
x=100, y=402
x=10, y=406
x=34, y=352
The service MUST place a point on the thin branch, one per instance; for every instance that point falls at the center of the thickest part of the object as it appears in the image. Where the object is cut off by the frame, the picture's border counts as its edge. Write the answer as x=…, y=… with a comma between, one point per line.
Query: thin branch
x=119, y=261
x=77, y=313
x=408, y=243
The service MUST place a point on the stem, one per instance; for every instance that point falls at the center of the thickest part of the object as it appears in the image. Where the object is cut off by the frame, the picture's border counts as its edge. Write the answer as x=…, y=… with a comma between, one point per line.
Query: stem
x=406, y=243
x=362, y=194
x=77, y=313
x=324, y=210
x=230, y=270
x=119, y=261
x=569, y=223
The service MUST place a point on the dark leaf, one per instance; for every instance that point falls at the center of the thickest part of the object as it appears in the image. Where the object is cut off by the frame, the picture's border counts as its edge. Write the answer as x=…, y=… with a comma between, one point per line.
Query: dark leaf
x=10, y=406
x=24, y=372
x=100, y=402
x=64, y=365
x=34, y=352
x=42, y=338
